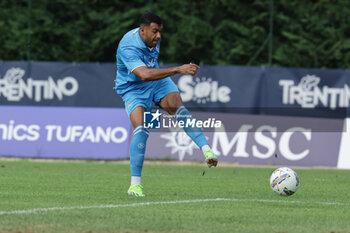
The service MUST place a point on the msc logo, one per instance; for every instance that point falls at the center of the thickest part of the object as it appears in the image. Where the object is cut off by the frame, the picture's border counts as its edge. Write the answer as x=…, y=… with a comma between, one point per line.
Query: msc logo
x=152, y=120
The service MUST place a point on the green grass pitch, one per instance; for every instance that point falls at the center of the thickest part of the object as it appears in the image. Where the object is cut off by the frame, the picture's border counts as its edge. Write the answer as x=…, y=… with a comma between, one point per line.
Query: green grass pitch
x=91, y=197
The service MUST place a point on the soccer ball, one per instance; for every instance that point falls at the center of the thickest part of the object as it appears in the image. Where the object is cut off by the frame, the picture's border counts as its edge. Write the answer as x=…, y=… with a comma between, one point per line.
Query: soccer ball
x=284, y=181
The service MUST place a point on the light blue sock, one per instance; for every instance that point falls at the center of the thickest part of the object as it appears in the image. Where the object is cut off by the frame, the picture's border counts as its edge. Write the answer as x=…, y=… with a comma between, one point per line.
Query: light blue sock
x=137, y=150
x=195, y=133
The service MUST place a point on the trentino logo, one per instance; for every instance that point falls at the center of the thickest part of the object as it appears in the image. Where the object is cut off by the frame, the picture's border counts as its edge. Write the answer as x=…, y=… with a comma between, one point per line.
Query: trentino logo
x=14, y=88
x=309, y=95
x=152, y=120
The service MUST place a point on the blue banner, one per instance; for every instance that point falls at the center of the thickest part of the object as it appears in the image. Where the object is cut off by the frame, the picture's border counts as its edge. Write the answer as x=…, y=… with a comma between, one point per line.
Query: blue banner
x=58, y=84
x=254, y=90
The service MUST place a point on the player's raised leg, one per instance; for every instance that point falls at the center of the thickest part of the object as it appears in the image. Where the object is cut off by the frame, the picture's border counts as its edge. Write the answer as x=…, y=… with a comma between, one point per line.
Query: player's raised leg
x=172, y=103
x=137, y=151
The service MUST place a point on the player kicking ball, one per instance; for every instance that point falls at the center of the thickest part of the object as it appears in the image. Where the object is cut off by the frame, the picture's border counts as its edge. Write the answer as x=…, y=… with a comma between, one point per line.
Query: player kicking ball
x=140, y=82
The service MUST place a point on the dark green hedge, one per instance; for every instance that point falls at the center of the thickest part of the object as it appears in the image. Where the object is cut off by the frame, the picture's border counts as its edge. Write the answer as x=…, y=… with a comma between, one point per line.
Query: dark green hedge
x=305, y=33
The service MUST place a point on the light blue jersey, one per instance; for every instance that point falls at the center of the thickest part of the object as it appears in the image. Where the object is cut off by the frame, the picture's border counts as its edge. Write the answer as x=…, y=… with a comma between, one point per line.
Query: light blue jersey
x=132, y=53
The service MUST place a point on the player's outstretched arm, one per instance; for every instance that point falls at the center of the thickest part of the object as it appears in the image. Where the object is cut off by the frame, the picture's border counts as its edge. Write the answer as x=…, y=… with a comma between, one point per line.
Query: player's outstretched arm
x=151, y=74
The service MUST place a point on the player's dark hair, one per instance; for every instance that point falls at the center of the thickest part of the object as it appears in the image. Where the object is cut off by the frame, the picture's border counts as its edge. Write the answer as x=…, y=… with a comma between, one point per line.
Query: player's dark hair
x=148, y=18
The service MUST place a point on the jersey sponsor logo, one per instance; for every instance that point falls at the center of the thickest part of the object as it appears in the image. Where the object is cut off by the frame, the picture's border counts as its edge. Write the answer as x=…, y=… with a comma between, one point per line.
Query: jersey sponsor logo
x=203, y=90
x=308, y=94
x=14, y=88
x=150, y=63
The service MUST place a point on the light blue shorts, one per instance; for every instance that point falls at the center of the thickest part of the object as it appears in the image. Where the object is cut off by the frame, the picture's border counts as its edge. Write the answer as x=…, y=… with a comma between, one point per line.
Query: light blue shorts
x=144, y=94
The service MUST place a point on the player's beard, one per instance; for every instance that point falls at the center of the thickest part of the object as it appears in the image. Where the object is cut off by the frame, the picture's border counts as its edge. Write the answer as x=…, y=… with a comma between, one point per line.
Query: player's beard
x=155, y=42
x=151, y=43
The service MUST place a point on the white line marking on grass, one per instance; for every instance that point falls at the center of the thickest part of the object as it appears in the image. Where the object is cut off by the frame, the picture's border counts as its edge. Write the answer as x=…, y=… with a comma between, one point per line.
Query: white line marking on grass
x=41, y=210
x=38, y=210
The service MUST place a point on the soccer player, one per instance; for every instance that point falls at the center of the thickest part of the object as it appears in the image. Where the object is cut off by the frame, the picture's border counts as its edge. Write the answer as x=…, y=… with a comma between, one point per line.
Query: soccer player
x=140, y=82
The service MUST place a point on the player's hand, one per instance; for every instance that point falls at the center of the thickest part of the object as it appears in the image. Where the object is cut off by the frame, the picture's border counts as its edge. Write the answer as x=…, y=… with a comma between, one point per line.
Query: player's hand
x=188, y=69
